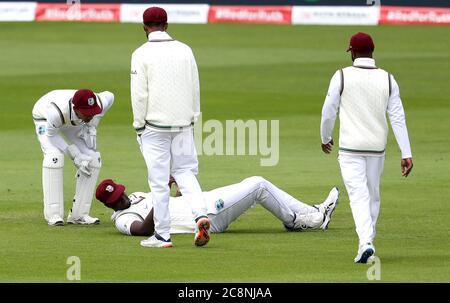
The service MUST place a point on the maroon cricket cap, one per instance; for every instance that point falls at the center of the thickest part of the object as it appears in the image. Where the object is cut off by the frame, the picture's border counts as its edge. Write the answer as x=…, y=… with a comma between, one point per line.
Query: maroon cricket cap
x=155, y=15
x=109, y=192
x=361, y=42
x=85, y=101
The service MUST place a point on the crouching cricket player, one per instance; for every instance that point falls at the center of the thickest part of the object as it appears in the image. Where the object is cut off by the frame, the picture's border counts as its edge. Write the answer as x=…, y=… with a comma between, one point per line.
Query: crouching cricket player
x=66, y=124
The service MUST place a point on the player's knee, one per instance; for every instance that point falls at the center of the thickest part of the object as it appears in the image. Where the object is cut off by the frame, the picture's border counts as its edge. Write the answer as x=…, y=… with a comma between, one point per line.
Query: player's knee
x=96, y=161
x=256, y=181
x=53, y=160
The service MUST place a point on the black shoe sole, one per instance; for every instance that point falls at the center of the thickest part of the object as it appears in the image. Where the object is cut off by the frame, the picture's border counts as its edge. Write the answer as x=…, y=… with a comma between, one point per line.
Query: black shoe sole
x=366, y=255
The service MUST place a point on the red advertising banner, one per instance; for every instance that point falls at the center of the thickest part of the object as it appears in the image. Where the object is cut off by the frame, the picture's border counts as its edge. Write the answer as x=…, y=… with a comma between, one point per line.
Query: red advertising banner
x=250, y=14
x=414, y=15
x=78, y=12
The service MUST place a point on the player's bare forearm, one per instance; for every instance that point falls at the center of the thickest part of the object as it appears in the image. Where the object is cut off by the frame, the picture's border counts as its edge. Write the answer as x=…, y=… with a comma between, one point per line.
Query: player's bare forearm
x=145, y=228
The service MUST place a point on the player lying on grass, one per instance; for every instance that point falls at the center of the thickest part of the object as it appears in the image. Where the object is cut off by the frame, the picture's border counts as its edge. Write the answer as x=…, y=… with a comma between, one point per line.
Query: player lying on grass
x=134, y=213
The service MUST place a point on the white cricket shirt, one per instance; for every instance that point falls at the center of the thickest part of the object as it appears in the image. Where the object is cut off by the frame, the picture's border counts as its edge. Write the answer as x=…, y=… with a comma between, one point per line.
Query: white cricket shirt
x=181, y=217
x=56, y=109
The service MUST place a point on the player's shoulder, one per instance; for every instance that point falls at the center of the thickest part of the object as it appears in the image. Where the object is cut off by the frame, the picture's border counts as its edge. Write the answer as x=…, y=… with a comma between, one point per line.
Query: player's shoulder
x=106, y=99
x=138, y=196
x=384, y=70
x=106, y=94
x=348, y=67
x=141, y=49
x=337, y=73
x=61, y=92
x=57, y=94
x=182, y=46
x=133, y=195
x=354, y=68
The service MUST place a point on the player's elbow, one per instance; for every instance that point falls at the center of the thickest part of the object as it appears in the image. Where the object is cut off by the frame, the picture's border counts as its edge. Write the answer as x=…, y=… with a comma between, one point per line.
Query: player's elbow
x=138, y=229
x=140, y=233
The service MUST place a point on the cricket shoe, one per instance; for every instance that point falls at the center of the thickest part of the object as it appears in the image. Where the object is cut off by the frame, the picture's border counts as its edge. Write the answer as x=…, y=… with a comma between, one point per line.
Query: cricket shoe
x=56, y=221
x=307, y=221
x=156, y=241
x=364, y=253
x=202, y=235
x=328, y=206
x=83, y=220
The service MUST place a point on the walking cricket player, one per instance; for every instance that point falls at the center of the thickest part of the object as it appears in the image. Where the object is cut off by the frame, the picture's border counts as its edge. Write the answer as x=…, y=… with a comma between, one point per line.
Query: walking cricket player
x=165, y=97
x=133, y=214
x=66, y=124
x=363, y=93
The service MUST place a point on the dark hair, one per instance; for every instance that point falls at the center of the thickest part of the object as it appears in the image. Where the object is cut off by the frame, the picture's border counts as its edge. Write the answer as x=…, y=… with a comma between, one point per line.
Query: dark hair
x=155, y=24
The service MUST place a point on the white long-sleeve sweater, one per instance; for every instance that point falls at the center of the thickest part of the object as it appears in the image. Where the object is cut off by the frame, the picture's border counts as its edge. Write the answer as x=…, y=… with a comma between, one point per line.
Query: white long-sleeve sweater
x=165, y=89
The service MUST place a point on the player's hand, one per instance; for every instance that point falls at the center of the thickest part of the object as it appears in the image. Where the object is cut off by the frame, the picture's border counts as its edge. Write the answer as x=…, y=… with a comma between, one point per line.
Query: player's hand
x=139, y=131
x=81, y=161
x=406, y=166
x=172, y=181
x=327, y=148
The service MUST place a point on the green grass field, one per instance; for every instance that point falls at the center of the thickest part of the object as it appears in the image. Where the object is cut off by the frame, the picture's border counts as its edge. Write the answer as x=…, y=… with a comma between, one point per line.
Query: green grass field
x=246, y=72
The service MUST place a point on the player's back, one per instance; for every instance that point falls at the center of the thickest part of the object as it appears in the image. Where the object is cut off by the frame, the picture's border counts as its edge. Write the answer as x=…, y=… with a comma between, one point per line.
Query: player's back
x=60, y=97
x=364, y=99
x=170, y=71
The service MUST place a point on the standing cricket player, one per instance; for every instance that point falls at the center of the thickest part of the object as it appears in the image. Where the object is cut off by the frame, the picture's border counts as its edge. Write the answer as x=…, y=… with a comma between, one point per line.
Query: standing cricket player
x=66, y=124
x=363, y=93
x=165, y=96
x=133, y=214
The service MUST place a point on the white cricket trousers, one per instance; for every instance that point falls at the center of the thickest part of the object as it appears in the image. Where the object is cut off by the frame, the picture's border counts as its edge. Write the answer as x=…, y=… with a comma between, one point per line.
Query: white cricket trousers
x=55, y=203
x=226, y=204
x=171, y=153
x=361, y=175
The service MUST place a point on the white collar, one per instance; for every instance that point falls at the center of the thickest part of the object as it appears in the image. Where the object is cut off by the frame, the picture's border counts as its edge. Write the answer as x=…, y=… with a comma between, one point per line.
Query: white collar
x=364, y=62
x=159, y=35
